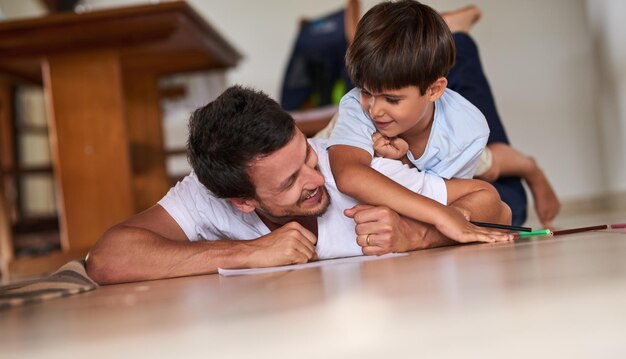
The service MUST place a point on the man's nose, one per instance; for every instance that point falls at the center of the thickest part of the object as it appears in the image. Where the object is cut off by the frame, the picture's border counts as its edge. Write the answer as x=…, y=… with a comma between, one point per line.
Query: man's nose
x=314, y=177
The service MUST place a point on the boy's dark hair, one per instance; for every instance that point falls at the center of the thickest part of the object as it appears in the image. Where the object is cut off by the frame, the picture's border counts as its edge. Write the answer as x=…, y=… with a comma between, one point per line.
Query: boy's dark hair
x=240, y=126
x=399, y=44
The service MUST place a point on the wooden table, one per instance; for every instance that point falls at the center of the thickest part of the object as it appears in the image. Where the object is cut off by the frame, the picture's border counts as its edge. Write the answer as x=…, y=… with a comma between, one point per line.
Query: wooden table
x=100, y=72
x=540, y=297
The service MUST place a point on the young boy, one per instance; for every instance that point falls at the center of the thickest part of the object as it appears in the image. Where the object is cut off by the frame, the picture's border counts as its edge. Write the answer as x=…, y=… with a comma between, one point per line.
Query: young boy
x=499, y=163
x=398, y=60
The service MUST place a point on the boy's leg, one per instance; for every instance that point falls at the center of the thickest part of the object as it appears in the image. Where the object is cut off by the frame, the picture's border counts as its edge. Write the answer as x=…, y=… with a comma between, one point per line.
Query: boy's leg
x=468, y=79
x=509, y=161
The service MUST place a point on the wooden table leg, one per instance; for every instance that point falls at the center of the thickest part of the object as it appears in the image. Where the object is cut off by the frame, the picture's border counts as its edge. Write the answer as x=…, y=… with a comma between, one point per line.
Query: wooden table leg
x=89, y=142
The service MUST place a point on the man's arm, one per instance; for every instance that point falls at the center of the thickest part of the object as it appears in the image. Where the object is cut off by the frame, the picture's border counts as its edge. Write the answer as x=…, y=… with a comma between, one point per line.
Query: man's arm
x=380, y=230
x=151, y=245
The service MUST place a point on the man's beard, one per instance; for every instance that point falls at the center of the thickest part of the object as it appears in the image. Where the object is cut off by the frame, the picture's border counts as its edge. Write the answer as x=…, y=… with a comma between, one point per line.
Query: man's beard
x=288, y=214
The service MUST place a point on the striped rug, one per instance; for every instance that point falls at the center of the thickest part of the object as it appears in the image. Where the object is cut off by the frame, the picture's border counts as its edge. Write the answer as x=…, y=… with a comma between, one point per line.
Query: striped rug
x=70, y=279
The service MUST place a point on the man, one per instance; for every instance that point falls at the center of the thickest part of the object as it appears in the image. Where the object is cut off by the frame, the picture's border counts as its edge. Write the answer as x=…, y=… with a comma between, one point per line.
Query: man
x=271, y=200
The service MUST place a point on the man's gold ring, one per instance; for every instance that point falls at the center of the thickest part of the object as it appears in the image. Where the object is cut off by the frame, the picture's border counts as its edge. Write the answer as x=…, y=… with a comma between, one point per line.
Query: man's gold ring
x=367, y=239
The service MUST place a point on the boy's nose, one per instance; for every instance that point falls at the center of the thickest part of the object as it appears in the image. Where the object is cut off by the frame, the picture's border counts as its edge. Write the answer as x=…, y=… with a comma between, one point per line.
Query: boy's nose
x=374, y=109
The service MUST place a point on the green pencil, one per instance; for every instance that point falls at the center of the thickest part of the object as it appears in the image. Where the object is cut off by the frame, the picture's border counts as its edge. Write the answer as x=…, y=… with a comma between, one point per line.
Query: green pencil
x=541, y=232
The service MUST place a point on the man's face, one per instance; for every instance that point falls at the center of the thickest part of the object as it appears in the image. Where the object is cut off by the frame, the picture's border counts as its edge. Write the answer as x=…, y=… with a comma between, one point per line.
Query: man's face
x=288, y=182
x=397, y=111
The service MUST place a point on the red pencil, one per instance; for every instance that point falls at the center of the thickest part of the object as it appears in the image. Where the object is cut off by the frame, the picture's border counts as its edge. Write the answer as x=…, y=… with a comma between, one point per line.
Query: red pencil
x=581, y=229
x=618, y=225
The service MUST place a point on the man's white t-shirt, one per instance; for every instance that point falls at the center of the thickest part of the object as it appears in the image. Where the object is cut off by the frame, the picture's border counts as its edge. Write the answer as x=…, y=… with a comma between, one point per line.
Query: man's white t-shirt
x=202, y=216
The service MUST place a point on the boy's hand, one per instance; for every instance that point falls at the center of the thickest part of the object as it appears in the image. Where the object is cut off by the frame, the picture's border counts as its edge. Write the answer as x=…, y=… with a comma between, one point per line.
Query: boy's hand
x=456, y=226
x=393, y=148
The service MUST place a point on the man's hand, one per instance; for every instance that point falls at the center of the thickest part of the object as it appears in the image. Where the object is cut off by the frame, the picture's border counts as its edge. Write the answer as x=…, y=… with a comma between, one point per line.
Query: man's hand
x=455, y=225
x=289, y=244
x=393, y=148
x=380, y=230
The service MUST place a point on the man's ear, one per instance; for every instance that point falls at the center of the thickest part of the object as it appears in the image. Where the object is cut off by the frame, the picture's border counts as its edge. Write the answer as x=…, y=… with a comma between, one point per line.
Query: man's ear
x=436, y=89
x=244, y=205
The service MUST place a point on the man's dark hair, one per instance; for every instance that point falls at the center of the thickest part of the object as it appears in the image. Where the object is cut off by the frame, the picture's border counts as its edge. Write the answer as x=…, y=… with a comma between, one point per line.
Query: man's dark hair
x=399, y=44
x=241, y=125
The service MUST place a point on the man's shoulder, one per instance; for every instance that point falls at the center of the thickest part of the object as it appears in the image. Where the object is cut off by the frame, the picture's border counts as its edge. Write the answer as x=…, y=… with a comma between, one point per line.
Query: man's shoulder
x=190, y=192
x=320, y=146
x=318, y=143
x=202, y=215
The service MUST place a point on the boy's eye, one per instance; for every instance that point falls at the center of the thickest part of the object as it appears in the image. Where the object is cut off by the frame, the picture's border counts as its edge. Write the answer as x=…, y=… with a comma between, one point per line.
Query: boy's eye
x=365, y=93
x=392, y=100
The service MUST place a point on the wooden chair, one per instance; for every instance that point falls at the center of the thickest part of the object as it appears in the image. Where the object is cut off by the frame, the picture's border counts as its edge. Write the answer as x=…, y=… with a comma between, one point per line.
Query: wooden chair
x=12, y=221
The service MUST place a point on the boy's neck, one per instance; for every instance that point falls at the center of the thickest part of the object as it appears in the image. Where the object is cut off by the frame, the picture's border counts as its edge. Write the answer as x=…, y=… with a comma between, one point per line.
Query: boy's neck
x=417, y=137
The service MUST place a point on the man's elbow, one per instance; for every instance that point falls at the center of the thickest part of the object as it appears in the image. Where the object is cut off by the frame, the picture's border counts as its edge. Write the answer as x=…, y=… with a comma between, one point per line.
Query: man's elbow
x=102, y=263
x=98, y=268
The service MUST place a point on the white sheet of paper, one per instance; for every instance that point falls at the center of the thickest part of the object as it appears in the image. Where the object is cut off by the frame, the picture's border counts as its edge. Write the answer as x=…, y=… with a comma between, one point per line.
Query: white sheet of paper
x=251, y=271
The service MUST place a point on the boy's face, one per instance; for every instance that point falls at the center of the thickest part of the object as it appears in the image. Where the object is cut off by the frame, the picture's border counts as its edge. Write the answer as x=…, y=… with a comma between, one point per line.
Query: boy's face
x=401, y=111
x=289, y=183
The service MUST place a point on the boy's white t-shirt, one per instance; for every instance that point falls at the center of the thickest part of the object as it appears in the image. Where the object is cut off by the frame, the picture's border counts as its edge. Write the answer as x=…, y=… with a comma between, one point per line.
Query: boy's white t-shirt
x=202, y=216
x=457, y=139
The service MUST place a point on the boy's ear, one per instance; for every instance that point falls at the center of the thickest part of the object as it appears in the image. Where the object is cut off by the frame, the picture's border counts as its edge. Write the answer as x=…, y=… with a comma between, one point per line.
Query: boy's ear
x=244, y=205
x=436, y=89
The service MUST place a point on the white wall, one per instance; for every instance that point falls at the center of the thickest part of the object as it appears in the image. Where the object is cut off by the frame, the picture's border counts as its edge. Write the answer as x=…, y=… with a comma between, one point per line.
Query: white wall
x=608, y=30
x=540, y=57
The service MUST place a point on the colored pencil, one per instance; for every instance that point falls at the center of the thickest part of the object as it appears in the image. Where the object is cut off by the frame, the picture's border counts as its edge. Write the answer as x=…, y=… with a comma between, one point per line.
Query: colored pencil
x=502, y=226
x=541, y=232
x=618, y=225
x=581, y=229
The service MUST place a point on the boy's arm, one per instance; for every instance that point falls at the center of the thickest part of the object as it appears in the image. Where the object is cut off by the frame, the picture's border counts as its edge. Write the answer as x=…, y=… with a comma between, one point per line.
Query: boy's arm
x=354, y=177
x=151, y=245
